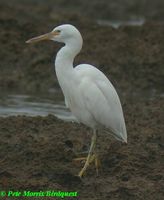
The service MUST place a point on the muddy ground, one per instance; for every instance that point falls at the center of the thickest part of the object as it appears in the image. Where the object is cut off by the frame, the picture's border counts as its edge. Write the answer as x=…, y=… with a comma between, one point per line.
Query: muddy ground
x=36, y=153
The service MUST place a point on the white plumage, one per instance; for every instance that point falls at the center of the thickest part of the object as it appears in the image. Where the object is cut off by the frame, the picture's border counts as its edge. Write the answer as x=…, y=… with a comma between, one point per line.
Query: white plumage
x=88, y=93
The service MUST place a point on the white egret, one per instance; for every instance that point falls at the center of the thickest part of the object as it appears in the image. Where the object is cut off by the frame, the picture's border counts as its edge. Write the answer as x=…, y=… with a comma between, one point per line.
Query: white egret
x=88, y=93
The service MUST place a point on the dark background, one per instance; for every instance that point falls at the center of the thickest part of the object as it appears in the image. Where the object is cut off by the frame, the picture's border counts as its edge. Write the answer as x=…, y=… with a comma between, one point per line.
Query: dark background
x=36, y=153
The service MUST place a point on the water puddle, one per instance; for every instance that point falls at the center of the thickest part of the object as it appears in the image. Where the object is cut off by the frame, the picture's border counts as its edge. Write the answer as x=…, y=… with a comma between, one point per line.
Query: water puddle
x=16, y=104
x=39, y=105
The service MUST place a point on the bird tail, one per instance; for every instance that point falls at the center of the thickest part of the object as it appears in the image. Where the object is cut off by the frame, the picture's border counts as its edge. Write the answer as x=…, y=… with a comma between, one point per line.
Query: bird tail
x=119, y=136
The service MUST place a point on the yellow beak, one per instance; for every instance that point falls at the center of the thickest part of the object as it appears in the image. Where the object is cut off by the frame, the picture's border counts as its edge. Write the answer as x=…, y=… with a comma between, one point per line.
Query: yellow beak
x=46, y=36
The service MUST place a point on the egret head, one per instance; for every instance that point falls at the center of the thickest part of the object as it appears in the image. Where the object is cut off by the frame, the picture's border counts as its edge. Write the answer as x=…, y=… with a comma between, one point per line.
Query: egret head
x=64, y=33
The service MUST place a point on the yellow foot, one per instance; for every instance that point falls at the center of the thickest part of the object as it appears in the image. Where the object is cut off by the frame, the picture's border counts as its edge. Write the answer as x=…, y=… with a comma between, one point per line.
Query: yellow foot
x=88, y=161
x=80, y=160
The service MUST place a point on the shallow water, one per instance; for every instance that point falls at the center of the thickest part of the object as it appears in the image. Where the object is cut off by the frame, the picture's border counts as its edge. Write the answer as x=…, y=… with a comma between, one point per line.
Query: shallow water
x=13, y=104
x=29, y=105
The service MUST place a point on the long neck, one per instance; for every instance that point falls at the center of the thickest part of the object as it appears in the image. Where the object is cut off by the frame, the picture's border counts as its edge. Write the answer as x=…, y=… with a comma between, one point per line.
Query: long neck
x=64, y=61
x=65, y=57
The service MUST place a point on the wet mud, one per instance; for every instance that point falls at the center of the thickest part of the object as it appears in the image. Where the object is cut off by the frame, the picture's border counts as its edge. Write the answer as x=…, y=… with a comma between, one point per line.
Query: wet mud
x=36, y=153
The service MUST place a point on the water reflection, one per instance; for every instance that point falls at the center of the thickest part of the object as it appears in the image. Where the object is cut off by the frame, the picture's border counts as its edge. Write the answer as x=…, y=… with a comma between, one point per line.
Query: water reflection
x=42, y=105
x=15, y=104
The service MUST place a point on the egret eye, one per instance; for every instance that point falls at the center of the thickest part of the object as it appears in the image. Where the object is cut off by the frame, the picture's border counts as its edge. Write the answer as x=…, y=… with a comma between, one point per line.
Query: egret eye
x=58, y=31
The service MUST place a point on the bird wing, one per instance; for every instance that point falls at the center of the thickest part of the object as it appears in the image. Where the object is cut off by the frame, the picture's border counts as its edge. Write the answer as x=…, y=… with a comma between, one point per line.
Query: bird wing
x=101, y=100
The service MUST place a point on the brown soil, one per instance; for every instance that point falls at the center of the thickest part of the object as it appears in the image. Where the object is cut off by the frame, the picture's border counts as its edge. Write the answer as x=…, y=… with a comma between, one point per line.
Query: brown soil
x=36, y=153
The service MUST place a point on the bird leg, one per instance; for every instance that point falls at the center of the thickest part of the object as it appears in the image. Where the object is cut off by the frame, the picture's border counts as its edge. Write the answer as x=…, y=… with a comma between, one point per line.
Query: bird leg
x=92, y=156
